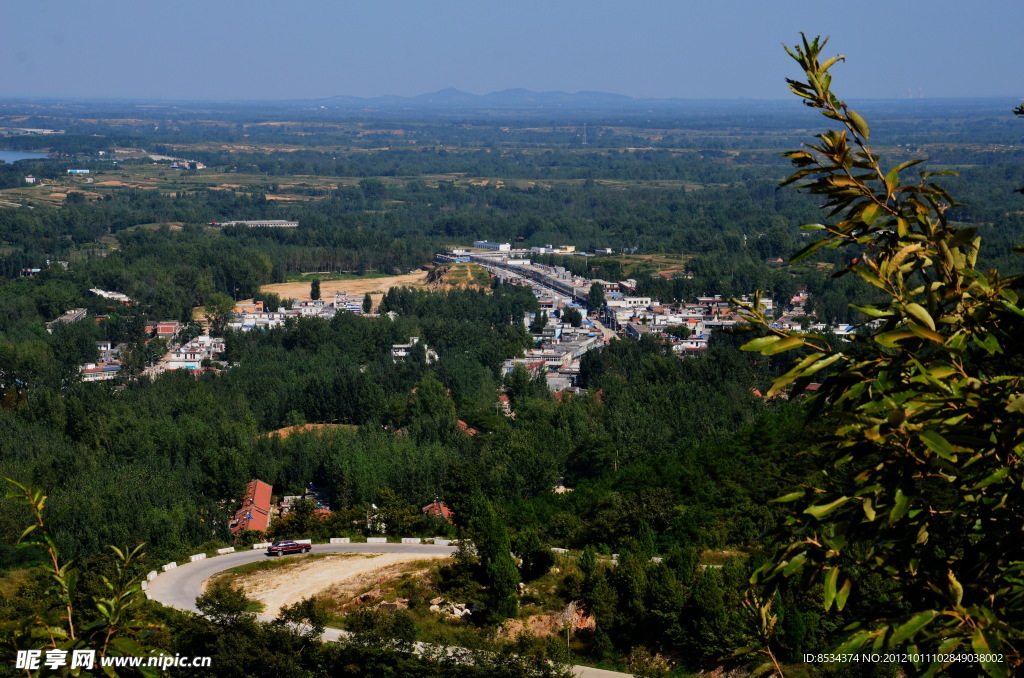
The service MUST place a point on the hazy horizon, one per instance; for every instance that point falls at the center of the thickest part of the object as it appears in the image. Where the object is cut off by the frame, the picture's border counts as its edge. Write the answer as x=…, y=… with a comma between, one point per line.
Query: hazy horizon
x=263, y=51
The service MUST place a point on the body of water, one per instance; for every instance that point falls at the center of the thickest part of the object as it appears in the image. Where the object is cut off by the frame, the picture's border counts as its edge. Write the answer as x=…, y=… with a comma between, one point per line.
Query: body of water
x=12, y=156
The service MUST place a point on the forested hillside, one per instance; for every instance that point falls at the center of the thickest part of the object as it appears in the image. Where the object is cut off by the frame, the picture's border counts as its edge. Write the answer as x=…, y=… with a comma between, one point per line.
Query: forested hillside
x=672, y=464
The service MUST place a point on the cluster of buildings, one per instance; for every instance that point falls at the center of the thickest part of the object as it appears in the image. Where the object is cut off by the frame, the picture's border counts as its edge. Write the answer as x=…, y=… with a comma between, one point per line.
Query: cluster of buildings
x=624, y=312
x=258, y=510
x=557, y=355
x=253, y=315
x=190, y=356
x=559, y=345
x=30, y=272
x=543, y=249
x=636, y=316
x=108, y=367
x=259, y=223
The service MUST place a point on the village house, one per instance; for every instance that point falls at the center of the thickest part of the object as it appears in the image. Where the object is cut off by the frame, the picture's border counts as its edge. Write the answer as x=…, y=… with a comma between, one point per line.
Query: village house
x=255, y=511
x=168, y=329
x=191, y=355
x=438, y=508
x=74, y=315
x=402, y=351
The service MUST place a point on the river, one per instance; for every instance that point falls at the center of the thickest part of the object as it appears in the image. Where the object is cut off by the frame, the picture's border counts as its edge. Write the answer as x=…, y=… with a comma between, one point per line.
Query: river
x=14, y=156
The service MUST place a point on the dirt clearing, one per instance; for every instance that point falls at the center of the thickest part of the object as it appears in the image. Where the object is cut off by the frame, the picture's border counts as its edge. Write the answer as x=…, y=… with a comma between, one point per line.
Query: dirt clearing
x=288, y=584
x=377, y=287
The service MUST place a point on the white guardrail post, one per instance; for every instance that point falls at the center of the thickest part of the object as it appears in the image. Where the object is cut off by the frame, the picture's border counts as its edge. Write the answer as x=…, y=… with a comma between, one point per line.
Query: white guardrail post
x=169, y=566
x=304, y=541
x=198, y=556
x=340, y=540
x=376, y=540
x=261, y=545
x=411, y=540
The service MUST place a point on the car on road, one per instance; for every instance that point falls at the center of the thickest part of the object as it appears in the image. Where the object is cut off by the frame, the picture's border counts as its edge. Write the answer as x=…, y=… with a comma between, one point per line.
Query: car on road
x=280, y=548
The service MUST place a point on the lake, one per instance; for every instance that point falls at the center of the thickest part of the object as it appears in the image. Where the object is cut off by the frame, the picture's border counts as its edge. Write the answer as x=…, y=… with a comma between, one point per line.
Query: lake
x=12, y=156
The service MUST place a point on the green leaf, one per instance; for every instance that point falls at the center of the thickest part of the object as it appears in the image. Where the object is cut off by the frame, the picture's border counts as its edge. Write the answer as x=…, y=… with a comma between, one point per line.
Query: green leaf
x=918, y=313
x=993, y=478
x=982, y=644
x=854, y=643
x=795, y=564
x=760, y=343
x=937, y=444
x=27, y=531
x=892, y=180
x=843, y=594
x=792, y=496
x=822, y=510
x=873, y=311
x=830, y=587
x=899, y=508
x=782, y=346
x=809, y=250
x=1016, y=404
x=911, y=627
x=990, y=343
x=870, y=213
x=892, y=337
x=870, y=276
x=859, y=125
x=869, y=508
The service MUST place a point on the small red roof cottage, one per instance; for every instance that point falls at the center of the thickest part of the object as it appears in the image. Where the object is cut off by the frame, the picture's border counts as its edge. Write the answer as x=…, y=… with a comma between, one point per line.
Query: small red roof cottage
x=255, y=511
x=438, y=508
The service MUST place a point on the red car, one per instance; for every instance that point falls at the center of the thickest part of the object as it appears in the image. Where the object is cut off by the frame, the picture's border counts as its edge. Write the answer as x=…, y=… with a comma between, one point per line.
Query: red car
x=280, y=548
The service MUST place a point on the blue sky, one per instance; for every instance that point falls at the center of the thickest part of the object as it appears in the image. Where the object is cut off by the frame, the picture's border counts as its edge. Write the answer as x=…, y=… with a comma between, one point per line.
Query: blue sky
x=719, y=49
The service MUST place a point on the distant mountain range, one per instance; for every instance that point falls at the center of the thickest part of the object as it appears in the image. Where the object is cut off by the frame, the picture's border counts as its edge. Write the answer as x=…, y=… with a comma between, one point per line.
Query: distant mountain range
x=508, y=98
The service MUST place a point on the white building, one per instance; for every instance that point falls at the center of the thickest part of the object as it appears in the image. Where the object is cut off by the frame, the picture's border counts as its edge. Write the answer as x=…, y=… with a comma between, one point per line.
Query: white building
x=191, y=355
x=402, y=351
x=497, y=246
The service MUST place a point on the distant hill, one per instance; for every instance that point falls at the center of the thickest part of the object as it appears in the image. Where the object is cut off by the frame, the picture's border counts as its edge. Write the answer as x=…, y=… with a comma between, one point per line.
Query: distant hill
x=509, y=99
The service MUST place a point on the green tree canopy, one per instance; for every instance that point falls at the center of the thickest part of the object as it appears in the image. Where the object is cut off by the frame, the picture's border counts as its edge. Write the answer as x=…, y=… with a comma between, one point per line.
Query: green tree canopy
x=922, y=478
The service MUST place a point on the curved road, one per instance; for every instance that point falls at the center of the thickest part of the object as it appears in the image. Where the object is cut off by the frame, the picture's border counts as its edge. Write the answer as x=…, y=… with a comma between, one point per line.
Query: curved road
x=179, y=587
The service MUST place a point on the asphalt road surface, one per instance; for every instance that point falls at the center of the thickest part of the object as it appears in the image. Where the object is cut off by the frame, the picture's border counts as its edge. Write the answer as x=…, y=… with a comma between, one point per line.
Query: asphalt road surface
x=180, y=587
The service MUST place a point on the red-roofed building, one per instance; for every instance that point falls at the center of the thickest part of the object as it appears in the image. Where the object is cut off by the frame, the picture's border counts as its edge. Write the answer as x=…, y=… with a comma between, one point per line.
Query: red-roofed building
x=438, y=508
x=504, y=404
x=168, y=329
x=255, y=511
x=465, y=428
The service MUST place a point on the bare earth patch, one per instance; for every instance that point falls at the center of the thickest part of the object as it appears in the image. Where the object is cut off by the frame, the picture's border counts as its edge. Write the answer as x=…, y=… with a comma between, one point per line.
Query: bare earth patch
x=282, y=586
x=376, y=286
x=283, y=433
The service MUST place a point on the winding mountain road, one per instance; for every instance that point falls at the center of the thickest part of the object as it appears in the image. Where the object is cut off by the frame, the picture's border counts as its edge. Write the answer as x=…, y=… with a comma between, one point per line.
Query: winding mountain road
x=180, y=586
